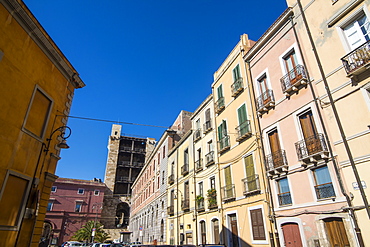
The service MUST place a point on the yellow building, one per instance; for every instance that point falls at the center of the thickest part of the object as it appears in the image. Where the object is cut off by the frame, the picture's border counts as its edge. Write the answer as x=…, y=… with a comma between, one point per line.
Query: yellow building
x=244, y=208
x=38, y=85
x=334, y=36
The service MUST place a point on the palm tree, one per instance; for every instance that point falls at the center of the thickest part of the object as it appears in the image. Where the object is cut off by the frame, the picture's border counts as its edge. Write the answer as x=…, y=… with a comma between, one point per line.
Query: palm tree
x=84, y=233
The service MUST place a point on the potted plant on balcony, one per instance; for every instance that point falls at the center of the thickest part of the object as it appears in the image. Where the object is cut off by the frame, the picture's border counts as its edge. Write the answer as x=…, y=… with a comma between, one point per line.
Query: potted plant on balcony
x=212, y=198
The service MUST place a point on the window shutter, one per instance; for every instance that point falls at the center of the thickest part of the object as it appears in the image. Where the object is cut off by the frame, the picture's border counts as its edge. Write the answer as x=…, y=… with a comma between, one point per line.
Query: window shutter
x=208, y=114
x=242, y=114
x=219, y=91
x=258, y=229
x=249, y=166
x=228, y=176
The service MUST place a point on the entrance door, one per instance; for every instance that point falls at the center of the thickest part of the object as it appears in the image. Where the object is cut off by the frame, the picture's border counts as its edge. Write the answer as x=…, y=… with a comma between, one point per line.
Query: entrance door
x=234, y=230
x=292, y=236
x=336, y=232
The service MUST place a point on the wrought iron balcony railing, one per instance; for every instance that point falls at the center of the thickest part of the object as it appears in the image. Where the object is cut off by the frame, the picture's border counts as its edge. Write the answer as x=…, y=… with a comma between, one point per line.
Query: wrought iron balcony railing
x=220, y=105
x=171, y=179
x=171, y=210
x=210, y=160
x=266, y=101
x=199, y=165
x=185, y=204
x=244, y=131
x=293, y=80
x=200, y=204
x=207, y=126
x=251, y=185
x=324, y=191
x=185, y=169
x=224, y=143
x=284, y=199
x=197, y=134
x=228, y=192
x=312, y=149
x=237, y=87
x=277, y=162
x=357, y=60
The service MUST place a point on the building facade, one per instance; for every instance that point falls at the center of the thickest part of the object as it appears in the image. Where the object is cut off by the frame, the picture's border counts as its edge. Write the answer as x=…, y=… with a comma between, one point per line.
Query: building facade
x=38, y=87
x=149, y=199
x=244, y=197
x=335, y=40
x=72, y=203
x=126, y=158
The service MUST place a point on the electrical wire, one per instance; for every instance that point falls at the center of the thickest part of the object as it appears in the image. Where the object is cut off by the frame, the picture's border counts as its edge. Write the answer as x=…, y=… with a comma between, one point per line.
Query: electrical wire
x=111, y=121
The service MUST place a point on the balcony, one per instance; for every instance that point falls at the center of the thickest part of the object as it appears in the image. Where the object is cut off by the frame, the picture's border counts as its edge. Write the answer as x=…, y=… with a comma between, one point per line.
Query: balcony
x=171, y=179
x=237, y=87
x=185, y=169
x=294, y=80
x=244, y=131
x=357, y=61
x=124, y=179
x=197, y=134
x=185, y=204
x=284, y=199
x=324, y=191
x=171, y=210
x=200, y=203
x=199, y=165
x=220, y=105
x=224, y=144
x=212, y=198
x=210, y=160
x=265, y=102
x=277, y=163
x=228, y=192
x=312, y=150
x=251, y=185
x=207, y=126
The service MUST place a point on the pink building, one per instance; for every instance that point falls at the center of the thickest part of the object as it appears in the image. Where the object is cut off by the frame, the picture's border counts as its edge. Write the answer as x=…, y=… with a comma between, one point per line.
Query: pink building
x=72, y=203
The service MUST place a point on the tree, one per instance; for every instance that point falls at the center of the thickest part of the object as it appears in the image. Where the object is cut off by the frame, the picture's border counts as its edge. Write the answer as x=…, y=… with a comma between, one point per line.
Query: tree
x=84, y=233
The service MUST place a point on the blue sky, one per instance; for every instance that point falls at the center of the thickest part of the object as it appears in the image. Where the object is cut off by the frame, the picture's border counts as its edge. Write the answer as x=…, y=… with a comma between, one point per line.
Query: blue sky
x=143, y=61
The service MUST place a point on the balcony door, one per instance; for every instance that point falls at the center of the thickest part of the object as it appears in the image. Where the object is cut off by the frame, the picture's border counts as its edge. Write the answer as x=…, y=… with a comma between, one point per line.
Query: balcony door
x=357, y=32
x=228, y=183
x=311, y=138
x=274, y=141
x=290, y=61
x=263, y=85
x=251, y=175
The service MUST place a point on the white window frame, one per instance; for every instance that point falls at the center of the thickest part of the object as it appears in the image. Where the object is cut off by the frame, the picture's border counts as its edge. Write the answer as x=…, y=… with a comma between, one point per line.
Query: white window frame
x=345, y=22
x=294, y=48
x=257, y=79
x=277, y=191
x=96, y=192
x=78, y=191
x=264, y=225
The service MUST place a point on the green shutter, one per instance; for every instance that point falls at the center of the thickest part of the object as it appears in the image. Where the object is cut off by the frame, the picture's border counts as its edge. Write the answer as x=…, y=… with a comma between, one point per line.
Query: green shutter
x=236, y=73
x=242, y=114
x=228, y=176
x=219, y=91
x=251, y=176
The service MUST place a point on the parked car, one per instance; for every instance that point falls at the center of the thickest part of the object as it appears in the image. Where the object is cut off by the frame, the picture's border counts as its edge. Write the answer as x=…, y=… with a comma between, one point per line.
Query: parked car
x=71, y=244
x=96, y=245
x=135, y=244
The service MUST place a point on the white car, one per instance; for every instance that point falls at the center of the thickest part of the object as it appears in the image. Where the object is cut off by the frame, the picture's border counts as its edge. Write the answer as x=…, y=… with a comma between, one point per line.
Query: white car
x=71, y=244
x=135, y=244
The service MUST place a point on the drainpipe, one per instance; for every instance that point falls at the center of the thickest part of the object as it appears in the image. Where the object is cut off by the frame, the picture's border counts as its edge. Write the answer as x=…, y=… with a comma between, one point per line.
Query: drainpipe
x=341, y=130
x=259, y=141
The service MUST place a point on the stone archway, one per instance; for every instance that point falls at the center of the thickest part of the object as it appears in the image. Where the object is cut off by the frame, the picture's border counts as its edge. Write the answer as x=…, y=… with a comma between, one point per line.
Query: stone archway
x=122, y=215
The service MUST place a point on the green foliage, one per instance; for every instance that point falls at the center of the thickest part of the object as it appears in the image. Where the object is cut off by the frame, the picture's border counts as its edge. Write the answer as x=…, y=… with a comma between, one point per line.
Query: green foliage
x=84, y=233
x=199, y=198
x=212, y=197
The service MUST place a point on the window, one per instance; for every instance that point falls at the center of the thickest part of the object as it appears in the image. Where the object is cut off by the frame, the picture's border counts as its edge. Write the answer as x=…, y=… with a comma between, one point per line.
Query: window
x=251, y=182
x=96, y=192
x=220, y=92
x=162, y=177
x=323, y=185
x=229, y=187
x=216, y=231
x=236, y=73
x=80, y=191
x=78, y=206
x=258, y=228
x=186, y=157
x=54, y=189
x=207, y=125
x=203, y=233
x=38, y=113
x=50, y=206
x=263, y=84
x=213, y=183
x=222, y=135
x=159, y=157
x=290, y=61
x=284, y=196
x=244, y=127
x=357, y=32
x=164, y=152
x=200, y=187
x=13, y=197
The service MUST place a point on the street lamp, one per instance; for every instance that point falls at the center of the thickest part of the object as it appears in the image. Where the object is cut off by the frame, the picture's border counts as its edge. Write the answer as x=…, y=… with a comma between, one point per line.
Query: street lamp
x=63, y=144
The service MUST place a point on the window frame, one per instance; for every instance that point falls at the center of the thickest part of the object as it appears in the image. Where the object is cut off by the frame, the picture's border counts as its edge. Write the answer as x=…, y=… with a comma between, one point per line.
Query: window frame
x=278, y=191
x=78, y=191
x=47, y=118
x=315, y=183
x=96, y=194
x=258, y=241
x=22, y=207
x=53, y=189
x=78, y=209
